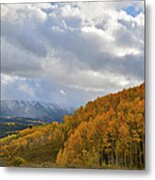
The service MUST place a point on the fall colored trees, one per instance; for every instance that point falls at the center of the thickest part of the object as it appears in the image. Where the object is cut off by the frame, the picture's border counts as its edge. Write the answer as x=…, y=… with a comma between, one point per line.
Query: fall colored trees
x=106, y=133
x=110, y=133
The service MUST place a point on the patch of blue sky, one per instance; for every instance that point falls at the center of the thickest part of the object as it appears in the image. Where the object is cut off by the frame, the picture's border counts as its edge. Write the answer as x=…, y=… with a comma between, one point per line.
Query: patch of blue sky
x=133, y=10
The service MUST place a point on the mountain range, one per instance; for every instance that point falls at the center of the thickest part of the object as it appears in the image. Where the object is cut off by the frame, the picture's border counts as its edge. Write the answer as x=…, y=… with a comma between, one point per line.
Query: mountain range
x=33, y=109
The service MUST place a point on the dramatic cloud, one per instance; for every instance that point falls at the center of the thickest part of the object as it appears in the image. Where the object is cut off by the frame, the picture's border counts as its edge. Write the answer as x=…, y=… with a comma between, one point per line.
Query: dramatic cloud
x=82, y=49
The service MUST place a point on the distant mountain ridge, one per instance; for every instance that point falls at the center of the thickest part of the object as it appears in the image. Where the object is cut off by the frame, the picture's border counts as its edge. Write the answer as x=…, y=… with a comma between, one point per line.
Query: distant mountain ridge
x=33, y=109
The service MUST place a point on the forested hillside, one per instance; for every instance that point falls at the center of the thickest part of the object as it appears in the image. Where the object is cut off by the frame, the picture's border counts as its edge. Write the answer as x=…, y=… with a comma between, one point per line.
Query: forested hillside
x=106, y=133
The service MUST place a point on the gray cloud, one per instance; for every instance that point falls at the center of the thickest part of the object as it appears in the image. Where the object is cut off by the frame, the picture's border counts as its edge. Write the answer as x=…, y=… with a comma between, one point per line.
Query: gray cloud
x=16, y=61
x=23, y=37
x=78, y=47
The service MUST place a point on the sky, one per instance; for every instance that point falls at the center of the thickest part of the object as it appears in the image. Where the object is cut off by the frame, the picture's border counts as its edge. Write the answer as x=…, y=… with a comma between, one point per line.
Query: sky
x=70, y=53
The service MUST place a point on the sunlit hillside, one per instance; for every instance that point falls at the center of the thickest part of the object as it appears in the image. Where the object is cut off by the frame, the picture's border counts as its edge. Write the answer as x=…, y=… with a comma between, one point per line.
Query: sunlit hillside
x=106, y=133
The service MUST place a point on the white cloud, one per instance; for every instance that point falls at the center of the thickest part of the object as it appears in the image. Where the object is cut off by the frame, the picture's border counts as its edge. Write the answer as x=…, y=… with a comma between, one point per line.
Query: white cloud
x=62, y=92
x=25, y=88
x=86, y=46
x=6, y=79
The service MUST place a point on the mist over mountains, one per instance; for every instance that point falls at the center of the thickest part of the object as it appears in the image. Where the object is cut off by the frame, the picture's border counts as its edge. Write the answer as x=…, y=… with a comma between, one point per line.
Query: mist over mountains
x=33, y=109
